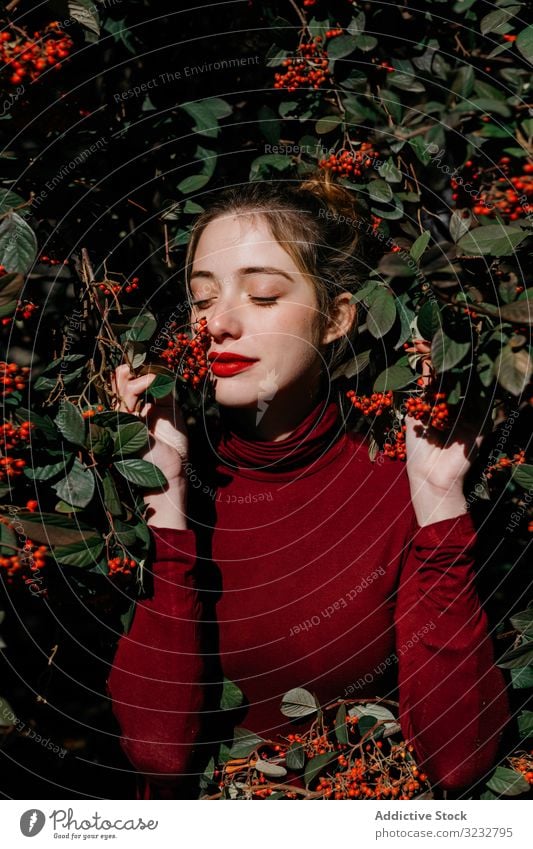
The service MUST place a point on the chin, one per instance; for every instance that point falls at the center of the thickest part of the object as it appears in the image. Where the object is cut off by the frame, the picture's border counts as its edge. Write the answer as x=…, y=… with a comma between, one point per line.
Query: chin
x=230, y=393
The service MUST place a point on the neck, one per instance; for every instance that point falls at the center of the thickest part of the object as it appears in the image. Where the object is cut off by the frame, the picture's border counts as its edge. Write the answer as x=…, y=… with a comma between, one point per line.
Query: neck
x=278, y=420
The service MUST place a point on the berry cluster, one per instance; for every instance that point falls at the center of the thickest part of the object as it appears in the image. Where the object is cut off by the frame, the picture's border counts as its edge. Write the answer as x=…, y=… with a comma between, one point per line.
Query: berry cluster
x=91, y=411
x=12, y=377
x=394, y=445
x=307, y=69
x=506, y=462
x=349, y=163
x=433, y=411
x=523, y=762
x=333, y=33
x=26, y=57
x=24, y=310
x=360, y=768
x=50, y=261
x=11, y=467
x=366, y=778
x=3, y=270
x=123, y=565
x=32, y=556
x=110, y=288
x=371, y=405
x=508, y=196
x=13, y=437
x=189, y=356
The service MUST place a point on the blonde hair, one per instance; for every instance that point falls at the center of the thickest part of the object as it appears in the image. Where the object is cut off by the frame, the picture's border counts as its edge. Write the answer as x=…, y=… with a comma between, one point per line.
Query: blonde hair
x=321, y=225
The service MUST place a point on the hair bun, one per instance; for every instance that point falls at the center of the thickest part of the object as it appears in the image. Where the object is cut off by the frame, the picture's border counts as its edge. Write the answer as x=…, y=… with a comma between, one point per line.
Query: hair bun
x=339, y=199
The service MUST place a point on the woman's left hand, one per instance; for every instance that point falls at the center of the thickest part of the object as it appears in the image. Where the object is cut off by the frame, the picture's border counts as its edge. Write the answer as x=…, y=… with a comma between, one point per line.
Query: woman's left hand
x=437, y=462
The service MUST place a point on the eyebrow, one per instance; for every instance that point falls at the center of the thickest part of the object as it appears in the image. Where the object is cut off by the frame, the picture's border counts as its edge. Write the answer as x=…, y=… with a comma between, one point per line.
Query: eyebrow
x=252, y=269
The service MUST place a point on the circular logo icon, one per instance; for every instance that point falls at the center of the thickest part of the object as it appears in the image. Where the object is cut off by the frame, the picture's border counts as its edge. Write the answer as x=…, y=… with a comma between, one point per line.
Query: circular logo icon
x=32, y=822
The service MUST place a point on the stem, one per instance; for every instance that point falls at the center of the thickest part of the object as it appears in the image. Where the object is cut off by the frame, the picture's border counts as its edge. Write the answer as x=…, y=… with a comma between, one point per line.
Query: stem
x=300, y=14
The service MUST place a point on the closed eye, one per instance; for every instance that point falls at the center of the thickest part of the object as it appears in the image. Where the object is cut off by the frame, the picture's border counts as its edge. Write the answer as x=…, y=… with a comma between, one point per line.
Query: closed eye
x=266, y=302
x=200, y=304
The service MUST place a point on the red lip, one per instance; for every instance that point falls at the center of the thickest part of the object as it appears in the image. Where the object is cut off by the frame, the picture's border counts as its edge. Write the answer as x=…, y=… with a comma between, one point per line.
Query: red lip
x=228, y=357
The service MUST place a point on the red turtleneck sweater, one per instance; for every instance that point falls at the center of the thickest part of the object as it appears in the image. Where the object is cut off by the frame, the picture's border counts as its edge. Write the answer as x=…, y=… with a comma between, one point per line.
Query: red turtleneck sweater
x=304, y=566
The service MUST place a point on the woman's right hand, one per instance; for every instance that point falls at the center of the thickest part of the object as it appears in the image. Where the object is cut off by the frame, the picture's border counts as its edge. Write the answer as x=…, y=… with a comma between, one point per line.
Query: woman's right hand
x=169, y=442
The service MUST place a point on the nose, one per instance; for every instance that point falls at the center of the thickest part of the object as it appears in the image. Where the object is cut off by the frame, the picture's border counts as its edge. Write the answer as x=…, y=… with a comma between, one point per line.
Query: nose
x=224, y=320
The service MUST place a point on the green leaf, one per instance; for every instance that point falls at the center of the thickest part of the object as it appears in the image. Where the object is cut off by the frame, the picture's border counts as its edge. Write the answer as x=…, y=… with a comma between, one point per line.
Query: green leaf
x=460, y=221
x=298, y=702
x=394, y=377
x=418, y=248
x=507, y=782
x=513, y=369
x=523, y=621
x=161, y=386
x=71, y=423
x=270, y=769
x=446, y=352
x=366, y=43
x=18, y=244
x=371, y=713
x=295, y=758
x=341, y=731
x=51, y=529
x=380, y=191
x=232, y=696
x=44, y=473
x=111, y=499
x=84, y=553
x=519, y=312
x=141, y=473
x=523, y=475
x=77, y=488
x=428, y=320
x=206, y=115
x=390, y=172
x=524, y=43
x=8, y=541
x=84, y=12
x=261, y=165
x=525, y=724
x=130, y=438
x=142, y=328
x=522, y=678
x=244, y=743
x=63, y=507
x=45, y=384
x=11, y=286
x=352, y=367
x=494, y=239
x=7, y=714
x=327, y=124
x=496, y=21
x=316, y=765
x=342, y=46
x=406, y=82
x=381, y=314
x=517, y=658
x=9, y=199
x=193, y=183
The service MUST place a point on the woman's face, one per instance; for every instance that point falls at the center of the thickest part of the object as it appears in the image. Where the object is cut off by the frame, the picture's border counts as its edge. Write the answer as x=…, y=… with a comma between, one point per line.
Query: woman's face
x=258, y=305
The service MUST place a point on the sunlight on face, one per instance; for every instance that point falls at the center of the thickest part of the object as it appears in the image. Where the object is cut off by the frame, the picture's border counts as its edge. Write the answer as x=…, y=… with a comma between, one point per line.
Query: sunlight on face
x=258, y=305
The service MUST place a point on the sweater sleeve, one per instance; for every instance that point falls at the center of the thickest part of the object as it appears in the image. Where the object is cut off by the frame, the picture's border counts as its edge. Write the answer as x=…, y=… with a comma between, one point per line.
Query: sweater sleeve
x=453, y=699
x=155, y=682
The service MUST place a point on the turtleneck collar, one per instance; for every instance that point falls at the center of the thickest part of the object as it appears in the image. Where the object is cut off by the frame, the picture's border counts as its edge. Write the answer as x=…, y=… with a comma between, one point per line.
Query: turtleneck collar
x=314, y=442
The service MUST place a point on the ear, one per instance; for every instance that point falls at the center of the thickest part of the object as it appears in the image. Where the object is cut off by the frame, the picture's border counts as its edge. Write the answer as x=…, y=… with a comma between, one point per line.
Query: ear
x=343, y=314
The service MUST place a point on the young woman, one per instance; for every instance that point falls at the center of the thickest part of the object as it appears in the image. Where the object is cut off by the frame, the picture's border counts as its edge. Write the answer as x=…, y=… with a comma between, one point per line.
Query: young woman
x=283, y=556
